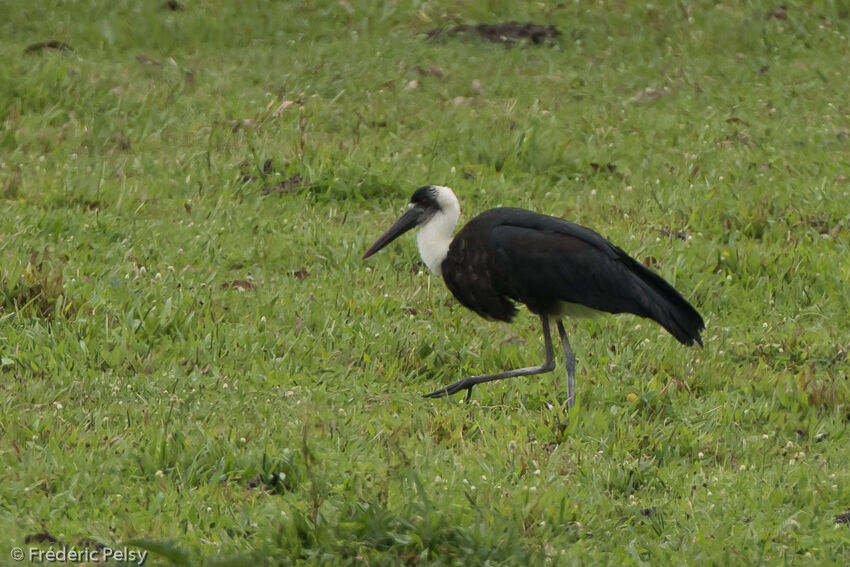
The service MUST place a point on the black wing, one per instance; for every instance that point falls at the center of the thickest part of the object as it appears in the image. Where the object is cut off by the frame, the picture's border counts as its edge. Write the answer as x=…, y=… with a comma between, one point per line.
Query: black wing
x=542, y=261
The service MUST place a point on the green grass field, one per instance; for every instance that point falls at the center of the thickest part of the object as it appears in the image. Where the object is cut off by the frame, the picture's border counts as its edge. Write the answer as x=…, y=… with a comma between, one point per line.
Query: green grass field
x=196, y=361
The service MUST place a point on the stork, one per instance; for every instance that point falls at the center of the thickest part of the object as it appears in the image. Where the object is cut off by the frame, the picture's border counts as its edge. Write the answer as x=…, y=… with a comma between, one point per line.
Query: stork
x=555, y=267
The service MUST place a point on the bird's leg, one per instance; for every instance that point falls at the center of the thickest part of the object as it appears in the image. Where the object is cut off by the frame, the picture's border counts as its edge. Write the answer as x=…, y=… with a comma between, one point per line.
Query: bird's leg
x=467, y=383
x=570, y=361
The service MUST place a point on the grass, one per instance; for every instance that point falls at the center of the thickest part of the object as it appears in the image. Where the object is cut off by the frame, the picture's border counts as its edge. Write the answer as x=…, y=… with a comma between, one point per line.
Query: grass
x=195, y=359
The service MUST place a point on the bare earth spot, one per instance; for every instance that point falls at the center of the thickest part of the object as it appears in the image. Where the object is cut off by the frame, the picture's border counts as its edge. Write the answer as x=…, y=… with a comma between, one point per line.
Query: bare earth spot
x=268, y=173
x=288, y=185
x=301, y=274
x=52, y=44
x=505, y=32
x=39, y=288
x=174, y=6
x=42, y=537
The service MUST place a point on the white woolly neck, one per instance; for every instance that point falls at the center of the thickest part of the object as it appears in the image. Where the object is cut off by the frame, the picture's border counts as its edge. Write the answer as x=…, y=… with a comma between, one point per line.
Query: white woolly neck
x=435, y=235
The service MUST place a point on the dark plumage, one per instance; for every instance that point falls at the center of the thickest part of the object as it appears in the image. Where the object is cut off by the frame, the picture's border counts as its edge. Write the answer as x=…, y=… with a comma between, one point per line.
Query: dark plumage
x=555, y=267
x=509, y=254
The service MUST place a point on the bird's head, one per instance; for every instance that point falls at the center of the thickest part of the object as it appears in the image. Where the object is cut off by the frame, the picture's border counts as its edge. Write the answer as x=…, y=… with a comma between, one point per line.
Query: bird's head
x=432, y=207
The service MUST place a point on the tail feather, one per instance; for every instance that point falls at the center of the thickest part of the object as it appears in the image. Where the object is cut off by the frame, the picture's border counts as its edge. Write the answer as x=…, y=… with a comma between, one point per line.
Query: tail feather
x=668, y=308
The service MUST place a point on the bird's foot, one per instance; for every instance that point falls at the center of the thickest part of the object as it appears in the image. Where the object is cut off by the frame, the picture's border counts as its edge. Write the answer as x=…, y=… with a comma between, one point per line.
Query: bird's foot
x=453, y=389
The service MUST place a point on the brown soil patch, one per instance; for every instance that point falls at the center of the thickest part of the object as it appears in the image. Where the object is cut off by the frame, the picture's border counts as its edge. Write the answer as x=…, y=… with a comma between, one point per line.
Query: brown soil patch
x=505, y=32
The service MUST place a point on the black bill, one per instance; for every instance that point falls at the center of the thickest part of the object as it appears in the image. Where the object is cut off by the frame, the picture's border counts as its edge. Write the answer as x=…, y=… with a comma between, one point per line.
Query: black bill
x=412, y=218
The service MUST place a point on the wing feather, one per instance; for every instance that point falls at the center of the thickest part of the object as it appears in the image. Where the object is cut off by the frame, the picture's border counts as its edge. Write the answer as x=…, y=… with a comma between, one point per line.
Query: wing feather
x=542, y=261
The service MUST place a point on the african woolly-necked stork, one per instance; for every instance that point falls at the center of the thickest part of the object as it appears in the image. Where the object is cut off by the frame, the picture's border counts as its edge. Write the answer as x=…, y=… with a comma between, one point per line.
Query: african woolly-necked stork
x=555, y=267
